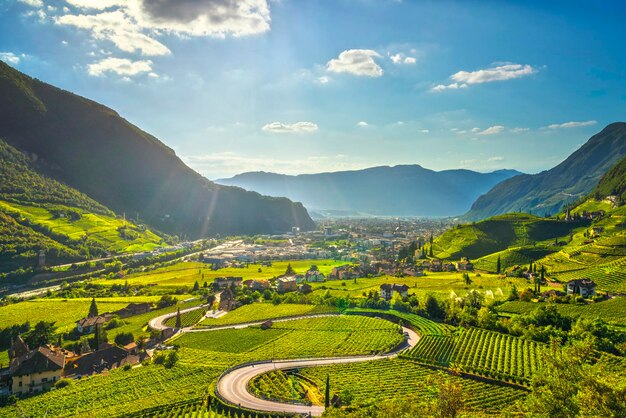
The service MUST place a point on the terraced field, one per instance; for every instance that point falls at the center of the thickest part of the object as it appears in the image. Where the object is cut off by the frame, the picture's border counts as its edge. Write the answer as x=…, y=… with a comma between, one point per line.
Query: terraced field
x=422, y=325
x=482, y=352
x=609, y=276
x=187, y=318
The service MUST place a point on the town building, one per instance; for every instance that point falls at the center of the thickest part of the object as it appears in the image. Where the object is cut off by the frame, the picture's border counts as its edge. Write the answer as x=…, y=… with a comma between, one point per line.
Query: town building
x=37, y=370
x=286, y=284
x=582, y=287
x=387, y=290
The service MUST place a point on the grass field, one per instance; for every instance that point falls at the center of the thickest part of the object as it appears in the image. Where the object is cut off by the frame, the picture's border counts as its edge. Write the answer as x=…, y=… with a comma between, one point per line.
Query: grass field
x=372, y=382
x=187, y=273
x=612, y=310
x=262, y=311
x=101, y=228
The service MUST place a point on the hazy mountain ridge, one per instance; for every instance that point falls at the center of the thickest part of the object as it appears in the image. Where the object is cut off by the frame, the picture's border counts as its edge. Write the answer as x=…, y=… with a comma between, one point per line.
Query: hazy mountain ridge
x=403, y=190
x=549, y=191
x=91, y=148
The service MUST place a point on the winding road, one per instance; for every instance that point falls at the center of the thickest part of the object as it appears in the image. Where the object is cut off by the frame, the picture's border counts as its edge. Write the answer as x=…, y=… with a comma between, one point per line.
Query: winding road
x=232, y=386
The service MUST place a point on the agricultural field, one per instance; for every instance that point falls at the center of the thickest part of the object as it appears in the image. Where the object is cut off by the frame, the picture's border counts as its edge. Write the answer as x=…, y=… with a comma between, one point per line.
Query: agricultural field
x=371, y=382
x=261, y=311
x=612, y=310
x=478, y=351
x=422, y=325
x=443, y=285
x=64, y=312
x=187, y=273
x=286, y=387
x=120, y=393
x=187, y=318
x=112, y=233
x=311, y=337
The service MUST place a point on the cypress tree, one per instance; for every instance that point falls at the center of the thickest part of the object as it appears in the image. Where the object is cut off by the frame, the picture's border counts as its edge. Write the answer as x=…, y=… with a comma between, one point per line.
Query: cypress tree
x=327, y=393
x=93, y=309
x=178, y=320
x=498, y=265
x=430, y=252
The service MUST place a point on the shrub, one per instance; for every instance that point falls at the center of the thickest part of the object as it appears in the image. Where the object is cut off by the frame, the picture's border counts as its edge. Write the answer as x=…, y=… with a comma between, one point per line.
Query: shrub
x=63, y=383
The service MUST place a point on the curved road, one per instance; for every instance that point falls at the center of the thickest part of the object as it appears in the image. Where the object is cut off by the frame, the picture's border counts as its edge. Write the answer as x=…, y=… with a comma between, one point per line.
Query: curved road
x=158, y=322
x=232, y=386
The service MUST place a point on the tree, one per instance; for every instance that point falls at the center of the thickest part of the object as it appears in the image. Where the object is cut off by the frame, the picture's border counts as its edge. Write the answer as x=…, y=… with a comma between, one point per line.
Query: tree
x=93, y=309
x=41, y=334
x=327, y=392
x=433, y=308
x=196, y=286
x=466, y=279
x=100, y=337
x=498, y=265
x=430, y=251
x=290, y=271
x=124, y=338
x=179, y=322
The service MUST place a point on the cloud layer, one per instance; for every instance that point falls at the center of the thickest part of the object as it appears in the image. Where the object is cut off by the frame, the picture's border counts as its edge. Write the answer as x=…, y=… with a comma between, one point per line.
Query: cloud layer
x=120, y=66
x=571, y=124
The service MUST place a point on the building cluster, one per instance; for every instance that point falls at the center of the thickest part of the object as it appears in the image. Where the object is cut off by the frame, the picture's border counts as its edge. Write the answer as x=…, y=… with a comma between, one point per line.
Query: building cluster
x=35, y=370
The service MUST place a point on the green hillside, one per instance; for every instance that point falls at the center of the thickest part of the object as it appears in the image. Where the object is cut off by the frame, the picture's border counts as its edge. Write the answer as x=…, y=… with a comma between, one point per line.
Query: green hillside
x=549, y=191
x=37, y=213
x=613, y=183
x=94, y=150
x=501, y=233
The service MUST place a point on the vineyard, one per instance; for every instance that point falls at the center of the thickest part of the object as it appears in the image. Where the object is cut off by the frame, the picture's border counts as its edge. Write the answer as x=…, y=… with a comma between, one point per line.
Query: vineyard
x=187, y=318
x=612, y=310
x=263, y=311
x=285, y=387
x=311, y=337
x=120, y=392
x=373, y=381
x=482, y=352
x=609, y=276
x=422, y=325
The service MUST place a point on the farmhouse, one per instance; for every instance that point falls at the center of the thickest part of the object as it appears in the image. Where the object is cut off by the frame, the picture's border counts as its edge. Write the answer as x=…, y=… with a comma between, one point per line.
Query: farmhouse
x=224, y=282
x=88, y=325
x=582, y=287
x=259, y=285
x=286, y=284
x=99, y=361
x=314, y=275
x=387, y=290
x=436, y=265
x=227, y=300
x=134, y=309
x=464, y=265
x=37, y=370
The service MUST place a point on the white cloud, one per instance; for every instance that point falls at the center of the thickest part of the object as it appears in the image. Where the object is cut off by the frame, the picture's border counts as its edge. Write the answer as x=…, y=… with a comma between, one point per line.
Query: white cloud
x=495, y=159
x=118, y=28
x=492, y=130
x=323, y=79
x=453, y=86
x=363, y=124
x=33, y=3
x=134, y=25
x=400, y=58
x=424, y=131
x=297, y=127
x=120, y=66
x=499, y=73
x=10, y=58
x=463, y=79
x=359, y=62
x=571, y=124
x=519, y=130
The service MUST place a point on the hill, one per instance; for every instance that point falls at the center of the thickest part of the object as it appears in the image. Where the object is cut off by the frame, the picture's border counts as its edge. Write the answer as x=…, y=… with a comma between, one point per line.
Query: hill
x=404, y=190
x=549, y=191
x=37, y=213
x=92, y=149
x=514, y=231
x=613, y=183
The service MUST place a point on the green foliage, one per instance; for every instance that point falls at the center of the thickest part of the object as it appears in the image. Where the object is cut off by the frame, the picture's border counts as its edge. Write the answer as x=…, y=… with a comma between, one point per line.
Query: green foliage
x=262, y=311
x=124, y=338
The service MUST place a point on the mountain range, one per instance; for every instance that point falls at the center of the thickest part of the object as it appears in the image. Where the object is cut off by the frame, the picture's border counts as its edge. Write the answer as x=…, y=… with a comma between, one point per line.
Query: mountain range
x=403, y=190
x=91, y=148
x=549, y=191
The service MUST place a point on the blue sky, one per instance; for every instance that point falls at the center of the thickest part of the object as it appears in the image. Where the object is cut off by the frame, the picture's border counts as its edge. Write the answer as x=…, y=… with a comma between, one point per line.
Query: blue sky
x=309, y=86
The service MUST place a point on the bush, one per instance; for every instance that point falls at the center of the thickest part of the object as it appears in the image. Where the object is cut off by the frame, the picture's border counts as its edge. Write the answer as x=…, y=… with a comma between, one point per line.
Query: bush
x=63, y=383
x=127, y=367
x=124, y=338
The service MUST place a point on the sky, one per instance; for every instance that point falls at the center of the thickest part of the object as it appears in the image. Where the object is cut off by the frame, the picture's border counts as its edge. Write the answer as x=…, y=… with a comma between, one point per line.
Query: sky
x=305, y=86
